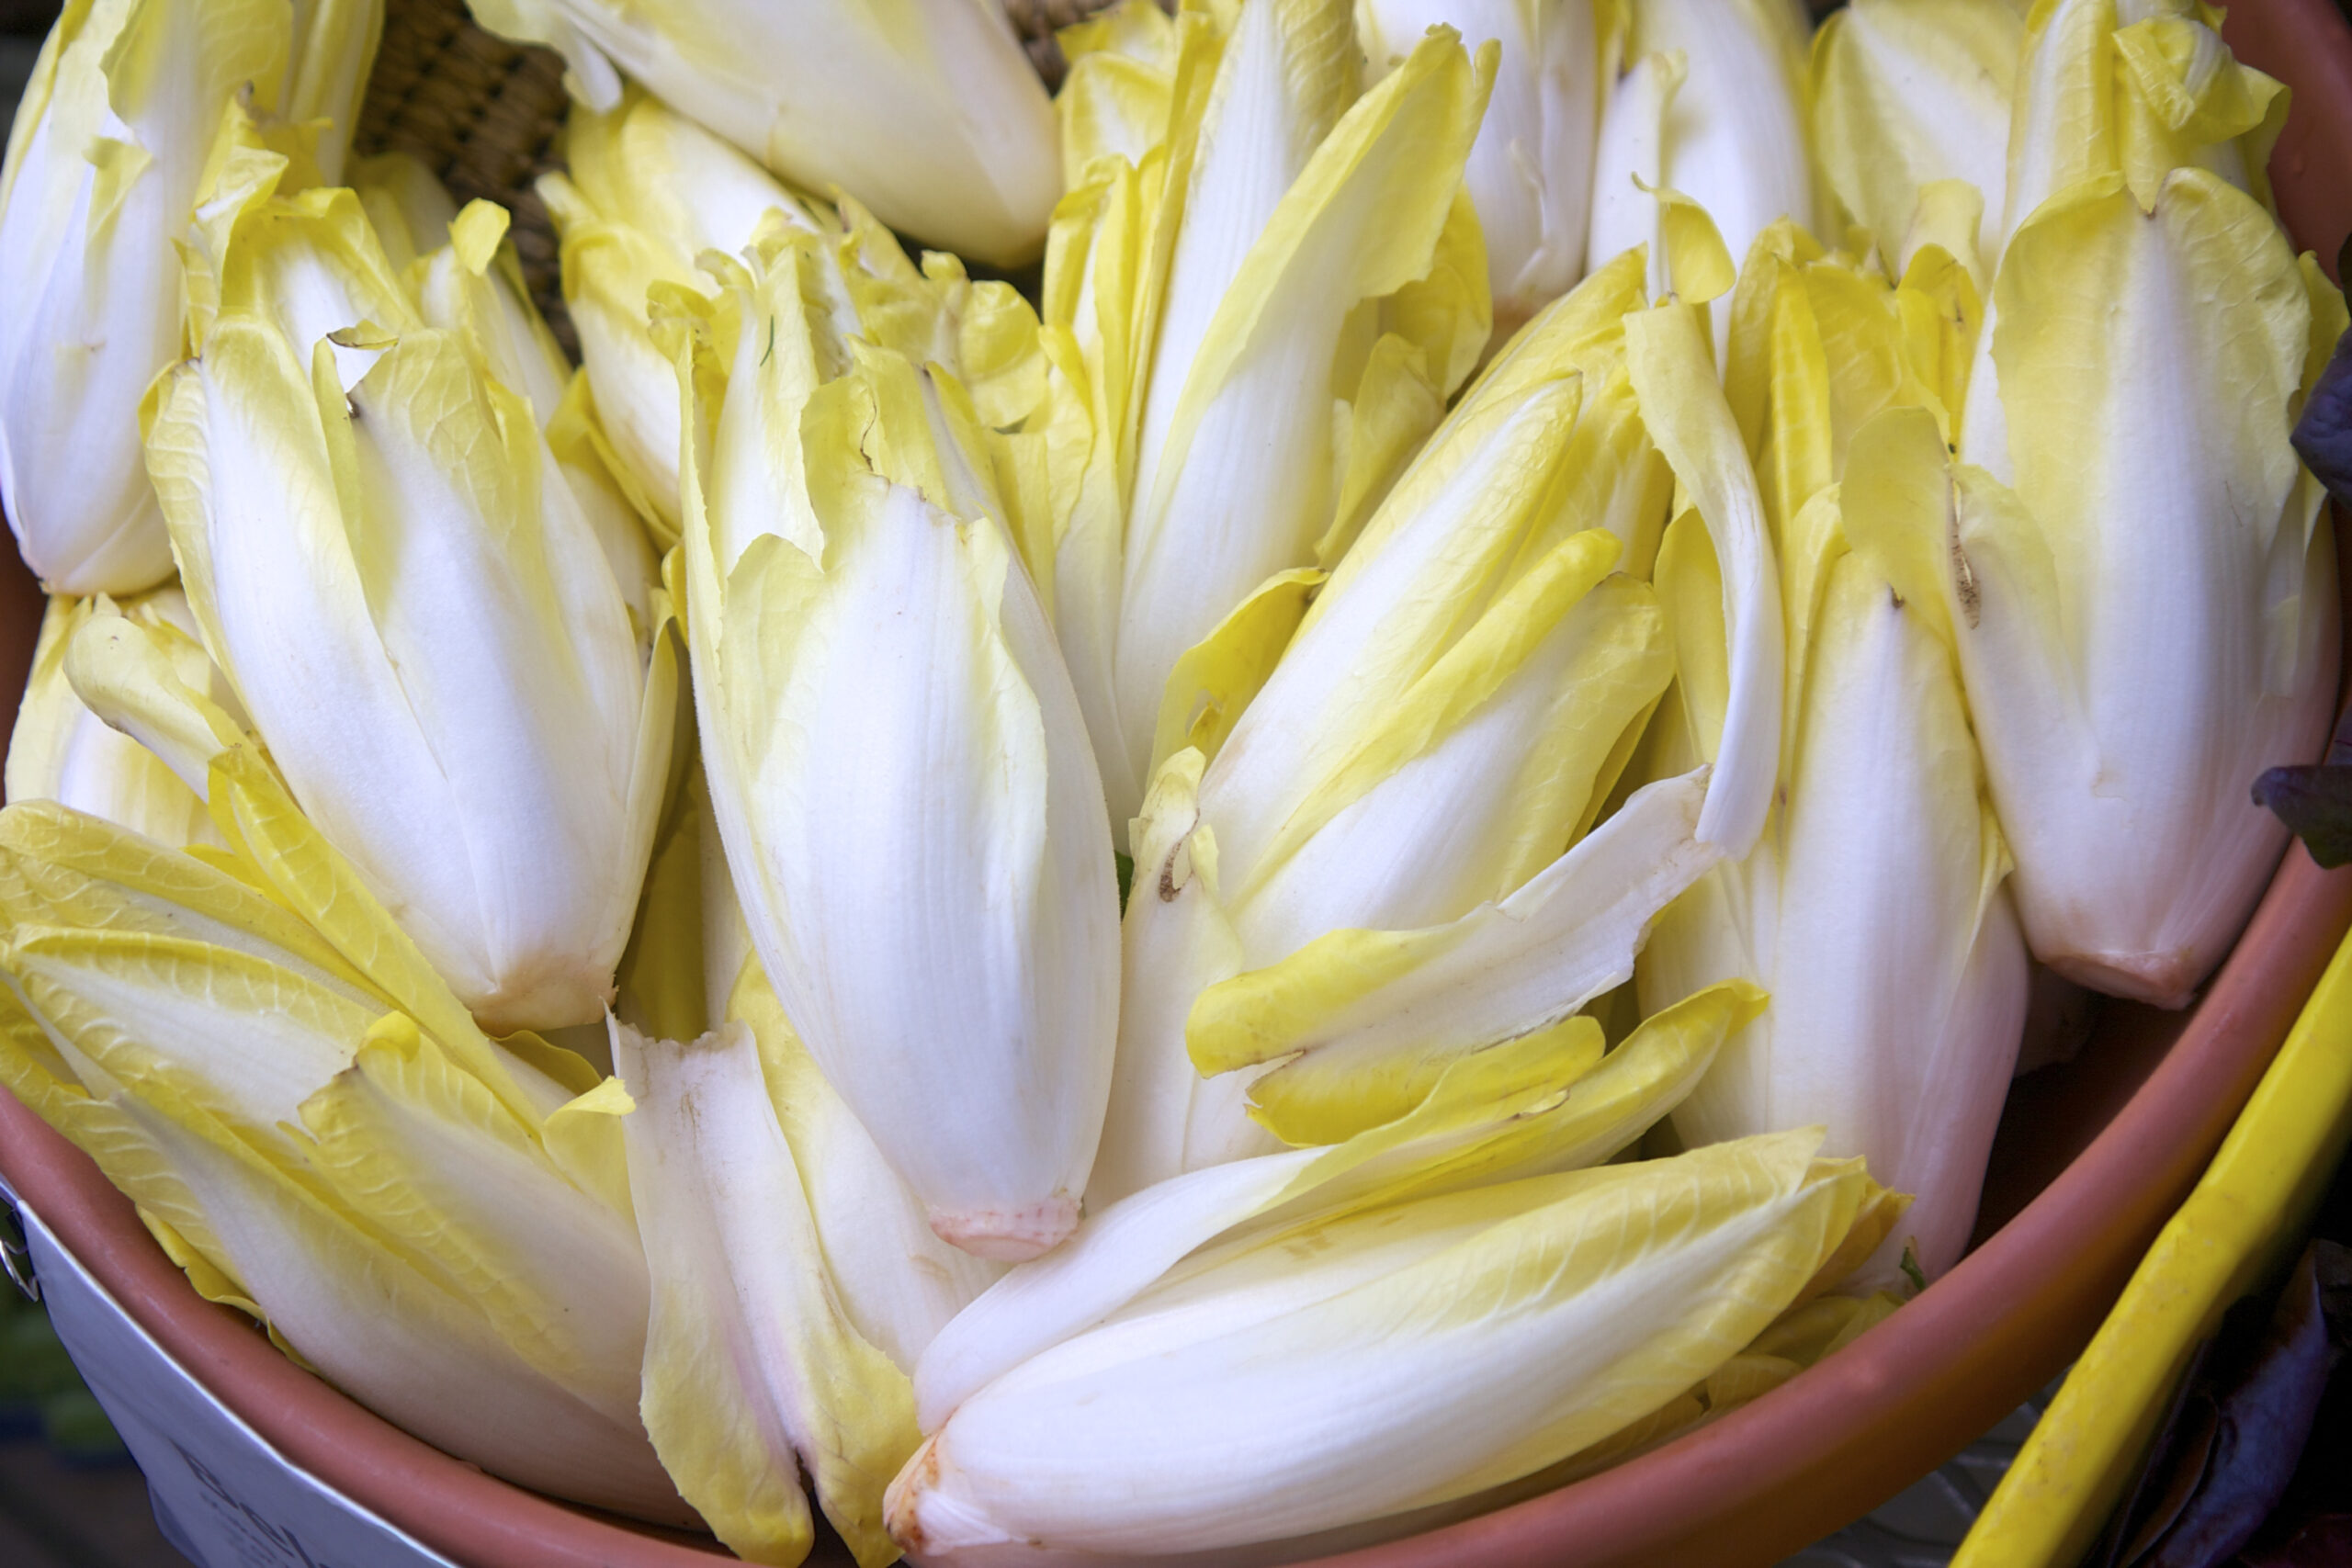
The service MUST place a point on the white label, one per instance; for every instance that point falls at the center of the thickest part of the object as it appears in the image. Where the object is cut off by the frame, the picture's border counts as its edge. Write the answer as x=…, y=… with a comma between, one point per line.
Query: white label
x=224, y=1496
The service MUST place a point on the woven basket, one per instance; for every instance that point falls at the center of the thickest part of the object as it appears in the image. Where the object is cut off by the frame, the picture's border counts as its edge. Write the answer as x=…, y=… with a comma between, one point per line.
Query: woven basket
x=484, y=114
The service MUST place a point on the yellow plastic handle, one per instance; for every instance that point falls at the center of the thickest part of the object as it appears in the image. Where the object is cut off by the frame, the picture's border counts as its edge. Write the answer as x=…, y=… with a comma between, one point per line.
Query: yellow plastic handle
x=2253, y=1198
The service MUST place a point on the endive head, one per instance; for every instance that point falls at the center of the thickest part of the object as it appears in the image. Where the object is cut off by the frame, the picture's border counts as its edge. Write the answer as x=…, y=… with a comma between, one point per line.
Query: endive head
x=2105, y=87
x=1712, y=105
x=1906, y=93
x=1344, y=1368
x=105, y=163
x=347, y=482
x=2145, y=614
x=1384, y=821
x=850, y=583
x=1354, y=1024
x=1331, y=253
x=754, y=1373
x=650, y=201
x=470, y=283
x=1530, y=175
x=1544, y=1102
x=1880, y=856
x=647, y=193
x=1908, y=877
x=928, y=113
x=62, y=750
x=431, y=1221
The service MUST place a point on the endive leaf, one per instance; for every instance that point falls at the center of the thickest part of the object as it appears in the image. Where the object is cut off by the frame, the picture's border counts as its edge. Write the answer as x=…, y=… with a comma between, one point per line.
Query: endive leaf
x=1283, y=77
x=1629, y=165
x=1548, y=1101
x=1396, y=407
x=1522, y=1322
x=898, y=1282
x=1907, y=93
x=33, y=1070
x=1483, y=659
x=1682, y=403
x=1426, y=566
x=1512, y=729
x=133, y=678
x=1361, y=220
x=248, y=1039
x=262, y=824
x=394, y=1335
x=59, y=867
x=752, y=1370
x=424, y=1153
x=62, y=749
x=1116, y=99
x=1529, y=173
x=1446, y=312
x=1374, y=1017
x=1216, y=678
x=1177, y=936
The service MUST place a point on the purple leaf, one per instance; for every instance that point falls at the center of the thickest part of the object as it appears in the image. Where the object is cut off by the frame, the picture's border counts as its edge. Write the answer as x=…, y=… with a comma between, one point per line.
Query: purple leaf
x=2317, y=804
x=2237, y=1448
x=2323, y=435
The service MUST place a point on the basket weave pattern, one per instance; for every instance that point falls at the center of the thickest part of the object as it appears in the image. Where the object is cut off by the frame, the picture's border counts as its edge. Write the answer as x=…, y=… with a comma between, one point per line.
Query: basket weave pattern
x=484, y=114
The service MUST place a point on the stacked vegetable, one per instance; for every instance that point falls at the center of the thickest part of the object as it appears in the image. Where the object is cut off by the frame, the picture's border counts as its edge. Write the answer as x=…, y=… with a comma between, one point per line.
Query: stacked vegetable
x=1244, y=905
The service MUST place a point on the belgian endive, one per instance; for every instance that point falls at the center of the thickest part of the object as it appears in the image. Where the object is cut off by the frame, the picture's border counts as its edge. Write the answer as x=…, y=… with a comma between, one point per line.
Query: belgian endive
x=2141, y=579
x=1529, y=173
x=1258, y=299
x=2109, y=90
x=1711, y=105
x=1873, y=910
x=2136, y=86
x=754, y=1370
x=1362, y=877
x=648, y=195
x=926, y=111
x=107, y=162
x=899, y=1284
x=925, y=865
x=62, y=750
x=390, y=566
x=1907, y=93
x=644, y=193
x=464, y=278
x=1376, y=1361
x=315, y=1130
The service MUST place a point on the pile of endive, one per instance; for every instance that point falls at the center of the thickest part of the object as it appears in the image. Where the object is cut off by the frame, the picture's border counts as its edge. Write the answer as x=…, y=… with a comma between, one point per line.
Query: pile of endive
x=1381, y=845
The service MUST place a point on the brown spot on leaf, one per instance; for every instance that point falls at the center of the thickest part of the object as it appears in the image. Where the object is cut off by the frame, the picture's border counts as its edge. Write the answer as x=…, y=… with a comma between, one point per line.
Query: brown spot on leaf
x=901, y=1505
x=1963, y=577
